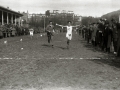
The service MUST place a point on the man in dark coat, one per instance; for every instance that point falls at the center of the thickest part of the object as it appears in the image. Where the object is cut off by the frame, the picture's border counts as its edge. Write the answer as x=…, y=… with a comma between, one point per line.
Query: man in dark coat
x=1, y=31
x=107, y=36
x=118, y=43
x=83, y=33
x=114, y=35
x=97, y=36
x=101, y=28
x=87, y=34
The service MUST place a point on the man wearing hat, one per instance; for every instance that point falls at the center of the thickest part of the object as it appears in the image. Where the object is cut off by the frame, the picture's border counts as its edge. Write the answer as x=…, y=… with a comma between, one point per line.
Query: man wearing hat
x=118, y=42
x=101, y=28
x=114, y=35
x=1, y=32
x=107, y=35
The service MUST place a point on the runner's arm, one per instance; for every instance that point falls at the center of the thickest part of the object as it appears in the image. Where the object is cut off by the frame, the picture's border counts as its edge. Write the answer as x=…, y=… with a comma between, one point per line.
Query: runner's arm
x=53, y=29
x=60, y=25
x=47, y=29
x=75, y=26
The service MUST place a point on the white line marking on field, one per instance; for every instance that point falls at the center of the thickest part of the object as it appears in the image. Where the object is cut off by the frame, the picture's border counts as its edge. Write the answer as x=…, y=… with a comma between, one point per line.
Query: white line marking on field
x=6, y=58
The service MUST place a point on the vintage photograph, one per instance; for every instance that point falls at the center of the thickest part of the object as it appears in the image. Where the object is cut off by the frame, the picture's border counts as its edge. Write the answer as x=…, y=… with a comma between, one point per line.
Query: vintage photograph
x=60, y=45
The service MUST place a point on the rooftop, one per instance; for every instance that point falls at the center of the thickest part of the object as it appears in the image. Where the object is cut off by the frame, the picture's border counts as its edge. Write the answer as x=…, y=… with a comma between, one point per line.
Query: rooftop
x=9, y=10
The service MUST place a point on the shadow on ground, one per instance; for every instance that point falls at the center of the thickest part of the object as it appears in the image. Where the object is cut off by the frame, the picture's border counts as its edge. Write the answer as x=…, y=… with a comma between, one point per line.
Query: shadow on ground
x=60, y=47
x=46, y=45
x=63, y=48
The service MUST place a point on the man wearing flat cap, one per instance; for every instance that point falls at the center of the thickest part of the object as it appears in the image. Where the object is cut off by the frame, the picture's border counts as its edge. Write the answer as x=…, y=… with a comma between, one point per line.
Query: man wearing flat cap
x=114, y=35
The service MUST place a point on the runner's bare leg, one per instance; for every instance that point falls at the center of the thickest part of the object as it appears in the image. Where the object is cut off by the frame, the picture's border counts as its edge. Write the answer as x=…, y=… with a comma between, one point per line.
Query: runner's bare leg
x=68, y=42
x=52, y=41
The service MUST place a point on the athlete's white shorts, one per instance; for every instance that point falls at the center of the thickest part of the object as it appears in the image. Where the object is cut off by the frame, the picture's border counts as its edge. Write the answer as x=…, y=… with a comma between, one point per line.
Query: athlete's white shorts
x=31, y=33
x=68, y=36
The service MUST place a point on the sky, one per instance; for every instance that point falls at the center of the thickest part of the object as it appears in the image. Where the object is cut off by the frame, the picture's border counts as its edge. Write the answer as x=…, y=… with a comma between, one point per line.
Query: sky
x=94, y=8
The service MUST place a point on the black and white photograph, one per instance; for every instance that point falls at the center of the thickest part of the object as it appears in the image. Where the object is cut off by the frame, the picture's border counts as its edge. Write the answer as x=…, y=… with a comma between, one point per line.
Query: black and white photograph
x=60, y=45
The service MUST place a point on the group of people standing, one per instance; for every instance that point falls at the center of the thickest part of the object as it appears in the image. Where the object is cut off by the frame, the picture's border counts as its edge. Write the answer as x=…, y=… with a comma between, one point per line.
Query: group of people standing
x=103, y=34
x=11, y=30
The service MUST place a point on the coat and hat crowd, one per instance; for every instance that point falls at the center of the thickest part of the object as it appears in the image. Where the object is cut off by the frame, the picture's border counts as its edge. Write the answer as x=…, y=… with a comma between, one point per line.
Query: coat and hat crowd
x=104, y=35
x=11, y=30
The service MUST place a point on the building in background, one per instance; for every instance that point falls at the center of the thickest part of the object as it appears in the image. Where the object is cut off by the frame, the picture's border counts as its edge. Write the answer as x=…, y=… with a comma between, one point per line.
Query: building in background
x=57, y=16
x=77, y=19
x=70, y=16
x=9, y=16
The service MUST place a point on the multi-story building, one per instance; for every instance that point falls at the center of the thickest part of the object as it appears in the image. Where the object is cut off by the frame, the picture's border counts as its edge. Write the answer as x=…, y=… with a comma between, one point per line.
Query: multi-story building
x=56, y=16
x=64, y=17
x=70, y=16
x=35, y=17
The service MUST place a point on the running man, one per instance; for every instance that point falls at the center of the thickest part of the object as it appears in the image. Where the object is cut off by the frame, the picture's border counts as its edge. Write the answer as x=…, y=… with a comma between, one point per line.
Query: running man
x=50, y=31
x=31, y=30
x=69, y=32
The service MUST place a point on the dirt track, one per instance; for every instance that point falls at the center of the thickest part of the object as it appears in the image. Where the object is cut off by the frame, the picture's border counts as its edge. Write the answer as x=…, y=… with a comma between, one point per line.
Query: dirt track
x=40, y=67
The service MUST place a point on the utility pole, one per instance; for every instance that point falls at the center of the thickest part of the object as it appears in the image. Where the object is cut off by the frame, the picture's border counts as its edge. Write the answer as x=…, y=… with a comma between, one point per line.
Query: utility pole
x=44, y=23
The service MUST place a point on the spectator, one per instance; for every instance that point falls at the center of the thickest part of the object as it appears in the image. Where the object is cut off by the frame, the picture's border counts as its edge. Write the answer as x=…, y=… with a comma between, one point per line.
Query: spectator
x=83, y=31
x=118, y=43
x=114, y=35
x=13, y=31
x=100, y=33
x=94, y=31
x=1, y=32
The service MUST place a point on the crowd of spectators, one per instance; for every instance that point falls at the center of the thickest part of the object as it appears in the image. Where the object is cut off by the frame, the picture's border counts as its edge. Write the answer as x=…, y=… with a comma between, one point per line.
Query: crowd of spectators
x=103, y=35
x=11, y=30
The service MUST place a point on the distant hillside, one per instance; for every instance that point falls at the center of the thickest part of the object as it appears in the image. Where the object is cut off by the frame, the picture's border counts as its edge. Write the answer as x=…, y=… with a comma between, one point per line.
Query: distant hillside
x=108, y=16
x=114, y=14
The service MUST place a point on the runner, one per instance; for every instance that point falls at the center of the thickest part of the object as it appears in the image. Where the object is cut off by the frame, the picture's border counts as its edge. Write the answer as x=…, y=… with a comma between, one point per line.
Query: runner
x=69, y=32
x=31, y=30
x=50, y=31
